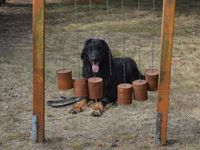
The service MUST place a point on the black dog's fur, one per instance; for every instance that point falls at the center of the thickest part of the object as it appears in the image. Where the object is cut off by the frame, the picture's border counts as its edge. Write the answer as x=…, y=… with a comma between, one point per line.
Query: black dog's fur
x=97, y=51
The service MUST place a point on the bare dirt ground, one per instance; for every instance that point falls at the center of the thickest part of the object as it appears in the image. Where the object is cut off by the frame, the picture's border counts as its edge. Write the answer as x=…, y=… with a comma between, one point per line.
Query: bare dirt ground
x=123, y=127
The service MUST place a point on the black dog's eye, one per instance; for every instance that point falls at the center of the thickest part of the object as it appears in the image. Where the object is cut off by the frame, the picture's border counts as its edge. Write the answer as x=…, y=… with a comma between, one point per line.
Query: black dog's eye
x=89, y=51
x=99, y=48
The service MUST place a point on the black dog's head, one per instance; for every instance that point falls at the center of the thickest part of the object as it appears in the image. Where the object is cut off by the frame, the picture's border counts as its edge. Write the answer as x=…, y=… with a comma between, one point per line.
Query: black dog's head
x=96, y=52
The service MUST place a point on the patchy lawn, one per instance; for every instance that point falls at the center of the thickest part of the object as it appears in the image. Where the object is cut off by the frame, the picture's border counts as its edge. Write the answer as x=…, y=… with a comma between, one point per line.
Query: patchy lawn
x=122, y=127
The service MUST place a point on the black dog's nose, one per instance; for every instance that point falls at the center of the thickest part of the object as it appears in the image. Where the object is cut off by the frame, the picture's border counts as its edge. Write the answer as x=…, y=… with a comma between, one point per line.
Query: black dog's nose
x=93, y=59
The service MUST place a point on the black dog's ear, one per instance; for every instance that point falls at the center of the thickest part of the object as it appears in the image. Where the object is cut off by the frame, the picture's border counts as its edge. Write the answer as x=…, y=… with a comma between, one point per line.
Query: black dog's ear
x=85, y=47
x=105, y=45
x=83, y=53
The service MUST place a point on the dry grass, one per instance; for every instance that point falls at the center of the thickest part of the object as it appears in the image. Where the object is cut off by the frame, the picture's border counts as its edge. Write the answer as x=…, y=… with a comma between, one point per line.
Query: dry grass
x=130, y=127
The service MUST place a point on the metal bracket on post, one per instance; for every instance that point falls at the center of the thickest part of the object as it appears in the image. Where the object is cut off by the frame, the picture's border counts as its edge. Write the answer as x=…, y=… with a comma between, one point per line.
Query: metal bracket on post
x=34, y=128
x=158, y=128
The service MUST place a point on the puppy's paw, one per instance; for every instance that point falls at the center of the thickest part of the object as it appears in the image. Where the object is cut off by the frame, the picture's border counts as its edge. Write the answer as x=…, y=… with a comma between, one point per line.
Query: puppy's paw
x=98, y=110
x=78, y=107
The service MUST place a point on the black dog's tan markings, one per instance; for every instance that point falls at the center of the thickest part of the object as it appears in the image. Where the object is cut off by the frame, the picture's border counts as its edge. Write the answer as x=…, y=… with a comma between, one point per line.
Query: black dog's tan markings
x=96, y=51
x=79, y=106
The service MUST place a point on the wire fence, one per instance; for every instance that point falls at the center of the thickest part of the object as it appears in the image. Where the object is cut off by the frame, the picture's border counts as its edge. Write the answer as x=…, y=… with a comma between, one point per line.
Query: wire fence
x=65, y=37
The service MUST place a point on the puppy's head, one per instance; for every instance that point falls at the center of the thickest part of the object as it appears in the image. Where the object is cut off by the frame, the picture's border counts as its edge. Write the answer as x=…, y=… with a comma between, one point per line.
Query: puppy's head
x=96, y=52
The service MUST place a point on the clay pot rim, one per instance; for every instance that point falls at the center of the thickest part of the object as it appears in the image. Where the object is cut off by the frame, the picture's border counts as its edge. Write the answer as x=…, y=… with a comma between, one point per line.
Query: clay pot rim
x=139, y=82
x=125, y=85
x=60, y=71
x=95, y=79
x=152, y=72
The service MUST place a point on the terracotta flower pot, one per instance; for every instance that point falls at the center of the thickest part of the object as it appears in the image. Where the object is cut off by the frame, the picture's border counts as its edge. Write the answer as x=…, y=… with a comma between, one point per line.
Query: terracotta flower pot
x=151, y=76
x=80, y=88
x=64, y=79
x=140, y=90
x=124, y=94
x=95, y=86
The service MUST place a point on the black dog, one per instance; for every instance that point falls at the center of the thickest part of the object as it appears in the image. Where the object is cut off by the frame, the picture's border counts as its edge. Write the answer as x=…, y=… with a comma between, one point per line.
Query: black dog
x=98, y=61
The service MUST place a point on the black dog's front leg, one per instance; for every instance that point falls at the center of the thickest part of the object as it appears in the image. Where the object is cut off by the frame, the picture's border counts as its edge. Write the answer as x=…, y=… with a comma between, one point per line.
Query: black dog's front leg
x=109, y=96
x=106, y=101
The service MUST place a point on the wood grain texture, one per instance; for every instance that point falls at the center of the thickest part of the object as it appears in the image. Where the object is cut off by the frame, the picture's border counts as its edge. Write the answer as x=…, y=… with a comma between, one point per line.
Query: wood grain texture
x=38, y=101
x=165, y=64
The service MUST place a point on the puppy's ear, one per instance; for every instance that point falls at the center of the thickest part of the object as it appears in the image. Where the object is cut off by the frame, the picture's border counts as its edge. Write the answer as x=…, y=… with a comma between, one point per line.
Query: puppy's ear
x=85, y=48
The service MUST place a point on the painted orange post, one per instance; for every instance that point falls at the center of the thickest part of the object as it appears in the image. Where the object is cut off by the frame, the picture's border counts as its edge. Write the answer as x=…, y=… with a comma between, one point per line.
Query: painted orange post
x=38, y=101
x=165, y=70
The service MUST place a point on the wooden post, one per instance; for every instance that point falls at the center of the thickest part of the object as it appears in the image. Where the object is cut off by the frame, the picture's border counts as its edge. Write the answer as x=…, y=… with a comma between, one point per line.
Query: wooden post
x=165, y=70
x=38, y=67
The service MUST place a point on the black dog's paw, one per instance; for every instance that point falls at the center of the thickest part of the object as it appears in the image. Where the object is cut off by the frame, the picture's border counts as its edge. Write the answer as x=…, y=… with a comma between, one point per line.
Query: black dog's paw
x=78, y=107
x=98, y=110
x=75, y=111
x=96, y=113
